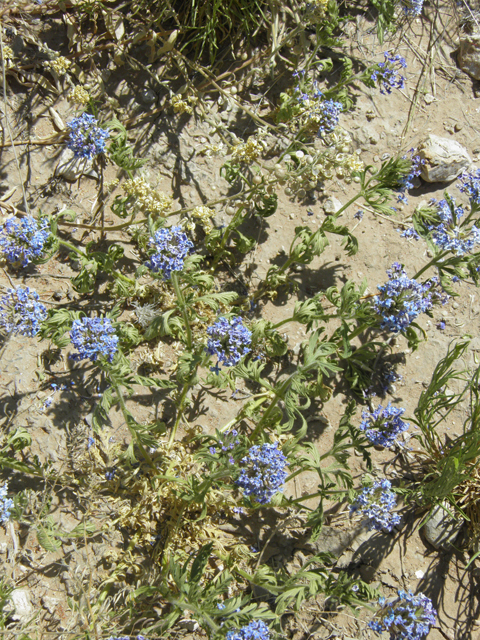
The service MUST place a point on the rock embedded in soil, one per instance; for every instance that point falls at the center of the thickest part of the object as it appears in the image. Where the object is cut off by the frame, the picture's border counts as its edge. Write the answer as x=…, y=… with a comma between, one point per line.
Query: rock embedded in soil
x=468, y=55
x=444, y=159
x=441, y=529
x=72, y=168
x=21, y=607
x=331, y=206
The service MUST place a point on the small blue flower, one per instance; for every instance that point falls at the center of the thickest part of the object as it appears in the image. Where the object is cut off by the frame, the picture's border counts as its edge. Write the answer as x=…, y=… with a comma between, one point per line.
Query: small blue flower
x=171, y=248
x=383, y=426
x=220, y=605
x=402, y=299
x=359, y=215
x=6, y=504
x=22, y=241
x=329, y=116
x=470, y=183
x=90, y=442
x=229, y=340
x=441, y=325
x=413, y=7
x=109, y=475
x=21, y=312
x=255, y=630
x=376, y=504
x=86, y=138
x=386, y=74
x=94, y=337
x=263, y=473
x=448, y=234
x=409, y=617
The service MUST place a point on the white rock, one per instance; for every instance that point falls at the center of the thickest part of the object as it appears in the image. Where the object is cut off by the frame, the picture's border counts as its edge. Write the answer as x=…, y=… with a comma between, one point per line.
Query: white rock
x=419, y=574
x=20, y=601
x=71, y=168
x=469, y=55
x=50, y=604
x=441, y=530
x=332, y=205
x=444, y=159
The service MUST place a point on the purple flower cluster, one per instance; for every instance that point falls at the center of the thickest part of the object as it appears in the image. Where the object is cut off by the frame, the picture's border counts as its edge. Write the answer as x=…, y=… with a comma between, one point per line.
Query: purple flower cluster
x=409, y=617
x=21, y=312
x=387, y=73
x=413, y=7
x=329, y=116
x=376, y=504
x=264, y=472
x=229, y=340
x=94, y=337
x=86, y=139
x=383, y=426
x=6, y=504
x=406, y=182
x=402, y=299
x=255, y=630
x=22, y=241
x=227, y=442
x=470, y=183
x=448, y=235
x=171, y=248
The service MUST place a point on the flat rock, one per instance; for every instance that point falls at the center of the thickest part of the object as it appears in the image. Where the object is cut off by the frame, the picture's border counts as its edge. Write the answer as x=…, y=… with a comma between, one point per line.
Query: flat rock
x=468, y=55
x=72, y=168
x=331, y=206
x=21, y=607
x=330, y=540
x=444, y=158
x=441, y=530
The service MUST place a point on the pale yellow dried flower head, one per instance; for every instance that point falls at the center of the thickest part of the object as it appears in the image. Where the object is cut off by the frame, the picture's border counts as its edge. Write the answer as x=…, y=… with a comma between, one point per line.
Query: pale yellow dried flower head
x=79, y=95
x=203, y=215
x=147, y=199
x=248, y=151
x=59, y=65
x=183, y=106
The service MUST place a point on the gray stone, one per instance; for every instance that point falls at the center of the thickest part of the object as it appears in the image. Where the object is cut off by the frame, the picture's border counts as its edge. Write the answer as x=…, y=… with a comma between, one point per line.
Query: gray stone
x=332, y=205
x=468, y=55
x=441, y=529
x=20, y=605
x=330, y=540
x=444, y=159
x=148, y=96
x=72, y=168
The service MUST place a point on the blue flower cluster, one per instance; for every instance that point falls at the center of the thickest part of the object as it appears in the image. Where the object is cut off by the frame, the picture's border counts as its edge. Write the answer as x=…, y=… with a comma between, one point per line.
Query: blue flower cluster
x=21, y=312
x=126, y=638
x=94, y=337
x=329, y=116
x=171, y=248
x=470, y=183
x=227, y=442
x=409, y=617
x=6, y=504
x=264, y=472
x=402, y=299
x=447, y=234
x=383, y=426
x=406, y=182
x=229, y=340
x=255, y=630
x=413, y=7
x=376, y=504
x=324, y=113
x=387, y=73
x=22, y=241
x=86, y=138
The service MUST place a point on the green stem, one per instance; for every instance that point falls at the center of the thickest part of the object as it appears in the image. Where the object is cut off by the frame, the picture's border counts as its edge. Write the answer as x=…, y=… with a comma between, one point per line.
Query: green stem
x=430, y=264
x=181, y=406
x=225, y=238
x=183, y=308
x=115, y=274
x=345, y=206
x=128, y=418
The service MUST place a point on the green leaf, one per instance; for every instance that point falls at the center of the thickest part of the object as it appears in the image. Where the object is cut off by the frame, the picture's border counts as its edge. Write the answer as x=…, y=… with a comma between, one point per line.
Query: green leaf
x=47, y=540
x=200, y=562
